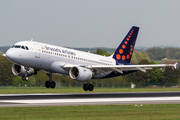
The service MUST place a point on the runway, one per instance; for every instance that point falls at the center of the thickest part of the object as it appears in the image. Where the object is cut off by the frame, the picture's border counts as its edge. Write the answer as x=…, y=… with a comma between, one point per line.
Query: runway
x=64, y=99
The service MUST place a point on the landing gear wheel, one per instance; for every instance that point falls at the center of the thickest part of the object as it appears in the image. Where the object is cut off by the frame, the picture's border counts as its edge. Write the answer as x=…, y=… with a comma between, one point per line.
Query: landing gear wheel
x=91, y=87
x=25, y=78
x=52, y=84
x=85, y=87
x=47, y=84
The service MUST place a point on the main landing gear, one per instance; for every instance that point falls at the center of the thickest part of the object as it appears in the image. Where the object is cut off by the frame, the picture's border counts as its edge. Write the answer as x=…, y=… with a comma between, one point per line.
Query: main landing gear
x=50, y=83
x=88, y=86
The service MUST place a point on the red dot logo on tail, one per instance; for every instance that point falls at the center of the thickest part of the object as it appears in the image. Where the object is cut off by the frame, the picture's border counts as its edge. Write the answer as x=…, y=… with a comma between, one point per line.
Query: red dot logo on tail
x=123, y=57
x=120, y=51
x=123, y=46
x=118, y=56
x=123, y=53
x=130, y=53
x=128, y=56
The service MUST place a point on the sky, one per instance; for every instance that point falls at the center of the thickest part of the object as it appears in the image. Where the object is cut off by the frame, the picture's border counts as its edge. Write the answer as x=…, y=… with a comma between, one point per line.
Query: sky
x=89, y=23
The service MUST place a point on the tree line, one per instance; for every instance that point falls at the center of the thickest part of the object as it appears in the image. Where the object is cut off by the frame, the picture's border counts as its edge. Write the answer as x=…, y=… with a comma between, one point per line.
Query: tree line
x=157, y=53
x=154, y=76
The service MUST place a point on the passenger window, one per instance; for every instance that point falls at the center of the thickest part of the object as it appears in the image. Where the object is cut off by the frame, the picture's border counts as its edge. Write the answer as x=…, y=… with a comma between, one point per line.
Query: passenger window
x=27, y=48
x=22, y=47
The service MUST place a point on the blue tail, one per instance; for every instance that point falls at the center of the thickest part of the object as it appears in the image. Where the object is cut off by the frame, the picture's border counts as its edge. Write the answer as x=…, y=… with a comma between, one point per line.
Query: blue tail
x=125, y=50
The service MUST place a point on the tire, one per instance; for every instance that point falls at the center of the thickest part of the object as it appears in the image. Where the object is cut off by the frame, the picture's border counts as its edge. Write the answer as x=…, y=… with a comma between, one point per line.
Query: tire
x=23, y=78
x=26, y=78
x=47, y=84
x=52, y=84
x=85, y=87
x=91, y=87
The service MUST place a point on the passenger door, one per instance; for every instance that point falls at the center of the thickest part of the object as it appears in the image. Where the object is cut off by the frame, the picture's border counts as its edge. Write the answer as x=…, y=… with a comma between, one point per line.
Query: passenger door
x=37, y=50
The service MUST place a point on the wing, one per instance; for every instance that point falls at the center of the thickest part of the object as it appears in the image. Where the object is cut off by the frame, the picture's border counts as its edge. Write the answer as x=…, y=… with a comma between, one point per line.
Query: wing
x=120, y=68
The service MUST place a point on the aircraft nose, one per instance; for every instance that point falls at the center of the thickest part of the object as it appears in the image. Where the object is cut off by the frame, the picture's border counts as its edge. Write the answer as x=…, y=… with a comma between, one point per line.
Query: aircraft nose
x=10, y=54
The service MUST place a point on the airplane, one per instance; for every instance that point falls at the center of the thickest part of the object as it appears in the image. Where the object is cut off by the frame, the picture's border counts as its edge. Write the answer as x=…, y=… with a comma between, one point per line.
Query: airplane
x=31, y=56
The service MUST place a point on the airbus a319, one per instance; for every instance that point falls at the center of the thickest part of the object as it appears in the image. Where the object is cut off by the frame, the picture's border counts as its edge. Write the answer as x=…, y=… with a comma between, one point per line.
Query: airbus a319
x=30, y=56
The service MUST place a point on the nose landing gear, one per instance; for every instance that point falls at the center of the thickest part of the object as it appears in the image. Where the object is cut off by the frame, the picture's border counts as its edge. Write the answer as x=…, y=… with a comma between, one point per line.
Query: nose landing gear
x=25, y=78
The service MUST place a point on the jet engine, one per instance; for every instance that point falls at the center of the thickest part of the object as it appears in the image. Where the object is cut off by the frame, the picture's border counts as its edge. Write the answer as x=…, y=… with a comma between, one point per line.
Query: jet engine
x=80, y=73
x=21, y=71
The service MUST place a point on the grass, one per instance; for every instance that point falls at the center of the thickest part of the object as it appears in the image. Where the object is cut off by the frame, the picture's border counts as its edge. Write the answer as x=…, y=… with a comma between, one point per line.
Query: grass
x=158, y=61
x=94, y=112
x=23, y=90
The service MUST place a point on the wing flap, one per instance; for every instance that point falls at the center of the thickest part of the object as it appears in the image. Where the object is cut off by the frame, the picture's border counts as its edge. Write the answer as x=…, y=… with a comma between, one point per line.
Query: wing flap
x=121, y=68
x=141, y=69
x=118, y=70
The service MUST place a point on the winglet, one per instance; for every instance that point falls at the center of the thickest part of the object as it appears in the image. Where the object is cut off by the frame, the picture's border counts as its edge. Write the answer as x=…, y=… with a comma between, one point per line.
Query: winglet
x=175, y=65
x=172, y=65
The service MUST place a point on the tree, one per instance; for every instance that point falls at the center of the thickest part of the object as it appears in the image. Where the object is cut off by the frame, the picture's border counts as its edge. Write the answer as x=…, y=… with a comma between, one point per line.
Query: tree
x=170, y=76
x=139, y=77
x=6, y=75
x=19, y=82
x=137, y=57
x=155, y=75
x=157, y=53
x=102, y=52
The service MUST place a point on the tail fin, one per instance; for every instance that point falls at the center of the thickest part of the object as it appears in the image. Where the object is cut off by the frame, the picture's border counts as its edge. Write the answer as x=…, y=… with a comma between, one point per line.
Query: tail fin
x=125, y=50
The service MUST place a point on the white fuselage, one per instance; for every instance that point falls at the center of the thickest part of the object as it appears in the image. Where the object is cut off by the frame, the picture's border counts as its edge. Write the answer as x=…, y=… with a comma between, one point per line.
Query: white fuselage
x=41, y=56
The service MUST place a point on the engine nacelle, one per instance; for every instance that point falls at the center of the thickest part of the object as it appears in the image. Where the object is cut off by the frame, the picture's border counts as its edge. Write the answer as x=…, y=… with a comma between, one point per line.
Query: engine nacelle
x=80, y=73
x=20, y=71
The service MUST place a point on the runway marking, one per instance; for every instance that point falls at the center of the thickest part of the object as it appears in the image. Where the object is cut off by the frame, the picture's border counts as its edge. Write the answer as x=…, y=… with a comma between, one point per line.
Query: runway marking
x=92, y=100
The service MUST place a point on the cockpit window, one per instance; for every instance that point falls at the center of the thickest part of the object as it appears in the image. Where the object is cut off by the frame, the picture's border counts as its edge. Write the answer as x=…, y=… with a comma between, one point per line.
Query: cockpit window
x=17, y=46
x=22, y=47
x=27, y=48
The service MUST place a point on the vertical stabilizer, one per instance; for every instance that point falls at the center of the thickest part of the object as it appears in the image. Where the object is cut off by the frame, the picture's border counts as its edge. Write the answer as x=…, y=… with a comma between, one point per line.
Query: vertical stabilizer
x=125, y=50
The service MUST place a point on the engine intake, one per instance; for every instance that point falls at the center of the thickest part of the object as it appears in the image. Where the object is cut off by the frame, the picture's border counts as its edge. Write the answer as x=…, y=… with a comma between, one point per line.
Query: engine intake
x=20, y=71
x=80, y=73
